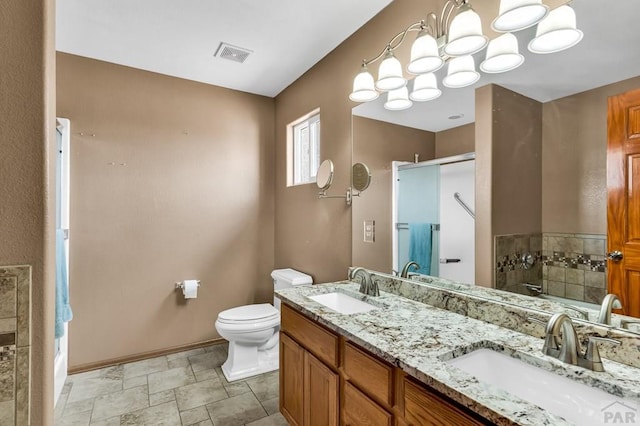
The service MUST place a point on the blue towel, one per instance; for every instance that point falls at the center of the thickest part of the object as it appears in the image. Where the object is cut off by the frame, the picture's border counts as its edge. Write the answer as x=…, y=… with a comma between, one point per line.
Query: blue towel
x=420, y=246
x=63, y=309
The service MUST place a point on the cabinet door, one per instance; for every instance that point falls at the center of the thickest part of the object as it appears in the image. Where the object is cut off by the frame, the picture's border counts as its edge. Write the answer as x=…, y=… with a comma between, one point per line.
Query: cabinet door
x=422, y=407
x=291, y=380
x=360, y=410
x=320, y=393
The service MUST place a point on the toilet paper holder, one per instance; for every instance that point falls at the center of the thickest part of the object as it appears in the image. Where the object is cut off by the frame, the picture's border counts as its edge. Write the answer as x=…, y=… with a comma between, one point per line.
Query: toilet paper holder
x=180, y=285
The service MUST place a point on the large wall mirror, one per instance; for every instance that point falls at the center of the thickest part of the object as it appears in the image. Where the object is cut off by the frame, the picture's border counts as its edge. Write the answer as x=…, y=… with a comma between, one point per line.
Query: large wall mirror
x=541, y=191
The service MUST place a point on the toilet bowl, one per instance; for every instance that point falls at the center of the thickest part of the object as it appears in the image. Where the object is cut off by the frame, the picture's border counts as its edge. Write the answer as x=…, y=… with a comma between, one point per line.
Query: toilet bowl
x=252, y=331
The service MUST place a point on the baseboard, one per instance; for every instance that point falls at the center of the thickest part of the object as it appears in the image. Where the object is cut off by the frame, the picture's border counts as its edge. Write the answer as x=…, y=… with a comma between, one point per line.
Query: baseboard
x=141, y=356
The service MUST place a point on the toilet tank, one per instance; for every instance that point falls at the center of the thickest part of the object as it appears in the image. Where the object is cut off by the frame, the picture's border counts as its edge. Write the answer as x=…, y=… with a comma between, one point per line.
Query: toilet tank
x=285, y=278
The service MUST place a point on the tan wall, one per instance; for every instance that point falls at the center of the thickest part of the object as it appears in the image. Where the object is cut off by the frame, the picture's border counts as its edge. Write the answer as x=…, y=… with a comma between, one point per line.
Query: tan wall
x=315, y=235
x=27, y=129
x=459, y=140
x=508, y=171
x=574, y=158
x=377, y=144
x=177, y=183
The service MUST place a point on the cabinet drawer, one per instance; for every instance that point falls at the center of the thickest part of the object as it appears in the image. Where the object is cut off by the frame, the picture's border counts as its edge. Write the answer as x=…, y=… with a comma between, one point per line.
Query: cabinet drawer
x=317, y=340
x=371, y=375
x=424, y=407
x=359, y=410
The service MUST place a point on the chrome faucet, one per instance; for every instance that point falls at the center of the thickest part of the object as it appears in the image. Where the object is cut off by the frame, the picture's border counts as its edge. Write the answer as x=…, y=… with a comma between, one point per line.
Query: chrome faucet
x=566, y=346
x=367, y=285
x=406, y=267
x=610, y=301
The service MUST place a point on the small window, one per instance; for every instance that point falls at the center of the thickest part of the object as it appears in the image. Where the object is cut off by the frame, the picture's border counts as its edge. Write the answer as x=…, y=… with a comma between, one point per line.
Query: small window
x=303, y=146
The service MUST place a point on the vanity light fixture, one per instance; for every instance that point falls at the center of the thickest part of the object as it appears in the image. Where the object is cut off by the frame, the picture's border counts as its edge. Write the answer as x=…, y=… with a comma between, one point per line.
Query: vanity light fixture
x=452, y=38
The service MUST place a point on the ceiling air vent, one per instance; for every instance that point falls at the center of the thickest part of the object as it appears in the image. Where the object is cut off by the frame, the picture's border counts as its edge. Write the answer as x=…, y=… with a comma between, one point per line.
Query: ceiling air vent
x=233, y=53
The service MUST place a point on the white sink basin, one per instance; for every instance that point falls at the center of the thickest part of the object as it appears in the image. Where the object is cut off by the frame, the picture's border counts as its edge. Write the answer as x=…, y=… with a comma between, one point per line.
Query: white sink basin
x=342, y=303
x=574, y=401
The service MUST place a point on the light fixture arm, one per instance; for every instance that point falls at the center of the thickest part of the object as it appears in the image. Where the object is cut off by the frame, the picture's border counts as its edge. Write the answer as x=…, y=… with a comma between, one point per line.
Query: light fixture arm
x=437, y=27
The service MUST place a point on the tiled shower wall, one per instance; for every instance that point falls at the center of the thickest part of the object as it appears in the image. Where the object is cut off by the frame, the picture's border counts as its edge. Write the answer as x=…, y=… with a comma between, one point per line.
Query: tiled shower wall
x=566, y=265
x=510, y=273
x=575, y=266
x=15, y=344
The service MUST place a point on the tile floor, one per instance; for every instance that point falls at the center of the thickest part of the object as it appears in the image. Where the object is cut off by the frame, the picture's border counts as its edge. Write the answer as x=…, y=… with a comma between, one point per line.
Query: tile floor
x=186, y=388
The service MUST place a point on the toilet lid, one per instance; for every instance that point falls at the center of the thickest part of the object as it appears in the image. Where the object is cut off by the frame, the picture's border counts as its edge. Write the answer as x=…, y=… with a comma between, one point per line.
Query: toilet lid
x=260, y=311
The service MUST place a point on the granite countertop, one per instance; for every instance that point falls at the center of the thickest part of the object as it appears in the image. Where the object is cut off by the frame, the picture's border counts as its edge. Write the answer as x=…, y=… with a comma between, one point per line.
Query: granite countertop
x=420, y=338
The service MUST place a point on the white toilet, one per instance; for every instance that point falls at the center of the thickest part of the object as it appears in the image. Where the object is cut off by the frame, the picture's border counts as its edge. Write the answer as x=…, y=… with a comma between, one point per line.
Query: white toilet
x=252, y=331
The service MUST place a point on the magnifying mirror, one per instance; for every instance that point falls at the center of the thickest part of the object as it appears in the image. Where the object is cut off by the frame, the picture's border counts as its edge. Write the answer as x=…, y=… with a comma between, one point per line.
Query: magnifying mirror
x=361, y=177
x=324, y=176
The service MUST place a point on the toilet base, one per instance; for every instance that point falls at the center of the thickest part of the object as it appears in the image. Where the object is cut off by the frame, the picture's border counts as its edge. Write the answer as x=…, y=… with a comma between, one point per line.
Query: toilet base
x=246, y=361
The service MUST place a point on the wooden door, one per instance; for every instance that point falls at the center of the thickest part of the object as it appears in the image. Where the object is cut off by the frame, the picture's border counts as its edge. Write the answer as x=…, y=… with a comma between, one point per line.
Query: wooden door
x=623, y=208
x=320, y=393
x=291, y=380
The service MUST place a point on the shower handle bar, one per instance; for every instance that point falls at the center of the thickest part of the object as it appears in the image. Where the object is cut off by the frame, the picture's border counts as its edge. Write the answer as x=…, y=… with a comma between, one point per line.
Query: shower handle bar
x=464, y=206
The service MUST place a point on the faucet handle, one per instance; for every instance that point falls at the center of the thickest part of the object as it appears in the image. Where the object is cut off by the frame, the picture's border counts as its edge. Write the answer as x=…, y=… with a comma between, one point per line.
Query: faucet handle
x=592, y=356
x=551, y=345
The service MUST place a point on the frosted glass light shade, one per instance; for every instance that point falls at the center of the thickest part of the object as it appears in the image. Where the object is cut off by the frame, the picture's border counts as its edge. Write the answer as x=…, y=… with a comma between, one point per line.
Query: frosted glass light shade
x=398, y=99
x=465, y=34
x=363, y=87
x=516, y=15
x=461, y=73
x=425, y=88
x=424, y=55
x=390, y=73
x=502, y=55
x=556, y=32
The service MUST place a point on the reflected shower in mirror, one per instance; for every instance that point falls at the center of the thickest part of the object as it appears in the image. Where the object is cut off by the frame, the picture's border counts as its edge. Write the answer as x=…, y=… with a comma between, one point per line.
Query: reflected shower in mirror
x=540, y=137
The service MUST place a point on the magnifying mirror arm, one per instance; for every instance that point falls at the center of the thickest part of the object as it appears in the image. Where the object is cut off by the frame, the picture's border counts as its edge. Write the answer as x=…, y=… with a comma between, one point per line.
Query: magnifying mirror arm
x=348, y=196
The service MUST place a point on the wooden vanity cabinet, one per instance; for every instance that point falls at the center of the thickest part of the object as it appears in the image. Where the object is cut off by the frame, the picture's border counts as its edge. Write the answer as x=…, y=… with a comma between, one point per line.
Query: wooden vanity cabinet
x=423, y=406
x=309, y=387
x=326, y=380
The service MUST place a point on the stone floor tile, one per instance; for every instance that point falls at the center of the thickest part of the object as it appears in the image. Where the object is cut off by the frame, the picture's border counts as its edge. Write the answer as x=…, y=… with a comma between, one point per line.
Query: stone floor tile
x=146, y=366
x=112, y=421
x=205, y=423
x=194, y=416
x=178, y=362
x=78, y=419
x=199, y=393
x=119, y=403
x=92, y=387
x=161, y=397
x=60, y=405
x=132, y=382
x=235, y=411
x=271, y=406
x=276, y=419
x=209, y=374
x=184, y=354
x=159, y=415
x=265, y=386
x=208, y=360
x=170, y=379
x=76, y=407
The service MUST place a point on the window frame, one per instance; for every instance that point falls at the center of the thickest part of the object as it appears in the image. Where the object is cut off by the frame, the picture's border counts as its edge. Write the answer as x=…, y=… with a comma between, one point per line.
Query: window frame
x=295, y=155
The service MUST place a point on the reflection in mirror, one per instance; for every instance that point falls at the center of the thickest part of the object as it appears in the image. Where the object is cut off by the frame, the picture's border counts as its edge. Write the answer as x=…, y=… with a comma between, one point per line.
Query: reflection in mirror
x=361, y=177
x=324, y=177
x=540, y=137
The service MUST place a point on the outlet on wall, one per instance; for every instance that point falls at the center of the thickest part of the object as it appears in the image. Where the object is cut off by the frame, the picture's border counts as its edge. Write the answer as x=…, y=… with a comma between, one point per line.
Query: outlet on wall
x=369, y=231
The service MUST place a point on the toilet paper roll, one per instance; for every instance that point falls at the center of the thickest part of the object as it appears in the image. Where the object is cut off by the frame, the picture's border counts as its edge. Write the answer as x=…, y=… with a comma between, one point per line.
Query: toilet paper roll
x=190, y=289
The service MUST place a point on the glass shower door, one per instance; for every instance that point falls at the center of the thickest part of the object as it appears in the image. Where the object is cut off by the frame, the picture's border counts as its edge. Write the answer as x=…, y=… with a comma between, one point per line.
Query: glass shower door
x=418, y=196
